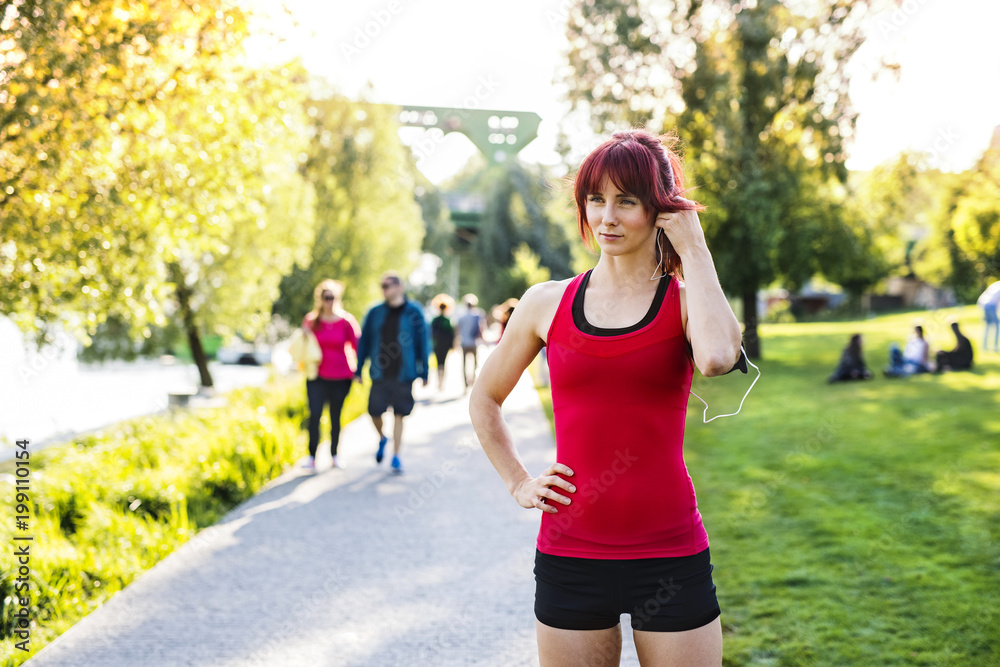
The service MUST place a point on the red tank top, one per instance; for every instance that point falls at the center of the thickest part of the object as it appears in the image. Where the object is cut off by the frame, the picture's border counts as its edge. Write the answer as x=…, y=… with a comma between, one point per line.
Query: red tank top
x=620, y=402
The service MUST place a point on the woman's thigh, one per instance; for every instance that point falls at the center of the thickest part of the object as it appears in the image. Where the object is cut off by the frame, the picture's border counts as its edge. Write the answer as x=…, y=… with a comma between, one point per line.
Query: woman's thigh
x=339, y=389
x=316, y=397
x=701, y=647
x=578, y=648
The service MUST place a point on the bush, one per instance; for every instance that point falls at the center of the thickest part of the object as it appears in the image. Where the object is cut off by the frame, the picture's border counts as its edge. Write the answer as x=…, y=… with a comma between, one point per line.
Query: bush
x=111, y=505
x=780, y=313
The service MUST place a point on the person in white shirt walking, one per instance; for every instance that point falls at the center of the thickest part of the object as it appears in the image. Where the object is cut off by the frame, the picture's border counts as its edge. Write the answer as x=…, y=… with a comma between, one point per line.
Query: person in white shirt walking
x=988, y=301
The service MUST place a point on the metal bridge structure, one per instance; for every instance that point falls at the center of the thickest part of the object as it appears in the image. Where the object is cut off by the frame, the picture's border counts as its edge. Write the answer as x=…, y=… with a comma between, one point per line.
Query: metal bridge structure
x=498, y=134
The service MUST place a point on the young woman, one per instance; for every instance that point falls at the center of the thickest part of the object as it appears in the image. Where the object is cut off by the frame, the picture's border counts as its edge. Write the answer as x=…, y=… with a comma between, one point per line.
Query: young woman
x=335, y=330
x=852, y=363
x=620, y=529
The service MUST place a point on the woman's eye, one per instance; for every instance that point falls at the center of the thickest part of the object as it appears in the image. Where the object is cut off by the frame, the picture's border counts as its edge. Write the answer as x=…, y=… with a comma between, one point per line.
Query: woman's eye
x=629, y=202
x=594, y=198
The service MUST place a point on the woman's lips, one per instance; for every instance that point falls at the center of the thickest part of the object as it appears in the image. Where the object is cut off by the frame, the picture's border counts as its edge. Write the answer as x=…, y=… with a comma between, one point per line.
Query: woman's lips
x=609, y=237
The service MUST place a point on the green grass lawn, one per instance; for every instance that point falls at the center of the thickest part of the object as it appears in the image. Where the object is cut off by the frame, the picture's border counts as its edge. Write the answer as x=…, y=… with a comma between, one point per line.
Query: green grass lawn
x=110, y=504
x=855, y=523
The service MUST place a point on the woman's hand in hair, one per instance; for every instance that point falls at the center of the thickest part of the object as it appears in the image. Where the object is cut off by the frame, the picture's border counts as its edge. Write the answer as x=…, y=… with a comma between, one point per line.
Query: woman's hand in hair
x=540, y=492
x=683, y=229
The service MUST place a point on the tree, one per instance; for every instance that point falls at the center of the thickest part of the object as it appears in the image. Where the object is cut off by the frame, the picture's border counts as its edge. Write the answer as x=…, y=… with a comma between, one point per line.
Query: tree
x=761, y=103
x=73, y=72
x=147, y=173
x=937, y=257
x=516, y=216
x=366, y=218
x=895, y=199
x=439, y=237
x=234, y=213
x=976, y=221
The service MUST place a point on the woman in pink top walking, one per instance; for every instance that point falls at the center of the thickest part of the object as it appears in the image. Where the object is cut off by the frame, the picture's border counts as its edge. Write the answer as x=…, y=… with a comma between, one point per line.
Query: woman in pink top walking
x=335, y=330
x=620, y=532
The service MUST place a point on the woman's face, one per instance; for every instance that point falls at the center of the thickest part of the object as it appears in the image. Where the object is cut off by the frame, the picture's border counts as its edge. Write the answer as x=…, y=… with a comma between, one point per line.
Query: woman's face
x=619, y=221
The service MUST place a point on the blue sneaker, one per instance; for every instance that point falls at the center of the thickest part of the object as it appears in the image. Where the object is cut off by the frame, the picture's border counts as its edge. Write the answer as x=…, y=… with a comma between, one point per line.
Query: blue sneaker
x=397, y=466
x=380, y=454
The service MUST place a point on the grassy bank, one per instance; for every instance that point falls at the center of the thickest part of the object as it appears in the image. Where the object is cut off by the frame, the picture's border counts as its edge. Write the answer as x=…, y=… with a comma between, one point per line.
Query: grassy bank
x=109, y=505
x=856, y=523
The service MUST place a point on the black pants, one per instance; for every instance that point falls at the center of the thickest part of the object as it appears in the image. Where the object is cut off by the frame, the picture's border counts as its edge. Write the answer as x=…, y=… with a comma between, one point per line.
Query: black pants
x=953, y=361
x=320, y=392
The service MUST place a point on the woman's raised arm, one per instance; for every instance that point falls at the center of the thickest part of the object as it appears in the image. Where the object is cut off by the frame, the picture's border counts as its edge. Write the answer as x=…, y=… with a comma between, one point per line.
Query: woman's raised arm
x=709, y=322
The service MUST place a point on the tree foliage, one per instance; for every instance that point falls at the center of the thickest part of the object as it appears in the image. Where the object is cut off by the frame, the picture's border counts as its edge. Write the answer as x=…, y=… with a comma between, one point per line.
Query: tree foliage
x=516, y=216
x=758, y=95
x=147, y=174
x=976, y=221
x=896, y=199
x=962, y=250
x=366, y=220
x=937, y=226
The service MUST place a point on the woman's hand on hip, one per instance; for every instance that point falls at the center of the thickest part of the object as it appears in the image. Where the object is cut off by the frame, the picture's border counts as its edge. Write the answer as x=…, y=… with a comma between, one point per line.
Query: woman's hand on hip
x=540, y=492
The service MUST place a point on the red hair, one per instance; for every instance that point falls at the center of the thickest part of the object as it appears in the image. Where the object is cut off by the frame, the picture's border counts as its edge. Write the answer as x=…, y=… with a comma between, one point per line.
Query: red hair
x=644, y=166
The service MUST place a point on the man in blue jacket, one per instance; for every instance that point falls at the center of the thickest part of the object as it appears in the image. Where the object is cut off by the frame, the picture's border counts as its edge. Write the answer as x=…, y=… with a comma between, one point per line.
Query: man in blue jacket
x=394, y=338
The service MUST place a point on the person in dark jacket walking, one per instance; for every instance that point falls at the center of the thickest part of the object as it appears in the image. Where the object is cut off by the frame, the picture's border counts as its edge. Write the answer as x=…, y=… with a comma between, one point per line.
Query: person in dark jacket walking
x=442, y=333
x=394, y=339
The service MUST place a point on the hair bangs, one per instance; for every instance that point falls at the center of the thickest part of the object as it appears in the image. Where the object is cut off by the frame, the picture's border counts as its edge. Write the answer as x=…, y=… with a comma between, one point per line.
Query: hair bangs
x=628, y=167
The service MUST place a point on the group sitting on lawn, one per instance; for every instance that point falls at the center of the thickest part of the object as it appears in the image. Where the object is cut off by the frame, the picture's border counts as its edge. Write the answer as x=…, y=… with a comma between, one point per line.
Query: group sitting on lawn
x=914, y=358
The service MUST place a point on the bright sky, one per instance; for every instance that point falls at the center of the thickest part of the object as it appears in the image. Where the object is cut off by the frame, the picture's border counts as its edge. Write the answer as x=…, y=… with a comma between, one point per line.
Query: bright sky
x=504, y=55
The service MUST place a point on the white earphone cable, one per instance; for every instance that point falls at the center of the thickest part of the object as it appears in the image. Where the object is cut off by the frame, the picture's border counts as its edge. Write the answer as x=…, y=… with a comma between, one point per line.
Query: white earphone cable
x=704, y=416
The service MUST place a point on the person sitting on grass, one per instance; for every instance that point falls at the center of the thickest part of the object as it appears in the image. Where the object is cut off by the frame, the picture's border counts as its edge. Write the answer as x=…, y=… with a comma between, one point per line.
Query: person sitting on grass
x=957, y=359
x=852, y=363
x=913, y=359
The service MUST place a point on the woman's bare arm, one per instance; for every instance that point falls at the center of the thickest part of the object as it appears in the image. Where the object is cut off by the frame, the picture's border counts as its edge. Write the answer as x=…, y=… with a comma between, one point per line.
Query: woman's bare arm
x=522, y=340
x=710, y=324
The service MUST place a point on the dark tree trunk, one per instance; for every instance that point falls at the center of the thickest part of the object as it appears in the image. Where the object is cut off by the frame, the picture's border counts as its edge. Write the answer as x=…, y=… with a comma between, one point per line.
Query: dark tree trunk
x=191, y=329
x=751, y=341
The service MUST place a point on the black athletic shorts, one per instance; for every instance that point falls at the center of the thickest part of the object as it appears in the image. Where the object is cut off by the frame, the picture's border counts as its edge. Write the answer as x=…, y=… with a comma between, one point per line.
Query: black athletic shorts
x=390, y=393
x=660, y=594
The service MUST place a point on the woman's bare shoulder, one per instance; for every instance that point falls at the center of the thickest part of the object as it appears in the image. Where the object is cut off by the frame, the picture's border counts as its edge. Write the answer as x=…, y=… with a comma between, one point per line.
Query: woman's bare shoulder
x=544, y=295
x=539, y=304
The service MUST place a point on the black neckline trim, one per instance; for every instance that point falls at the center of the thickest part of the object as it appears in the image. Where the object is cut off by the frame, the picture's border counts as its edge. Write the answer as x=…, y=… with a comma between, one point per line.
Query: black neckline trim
x=580, y=319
